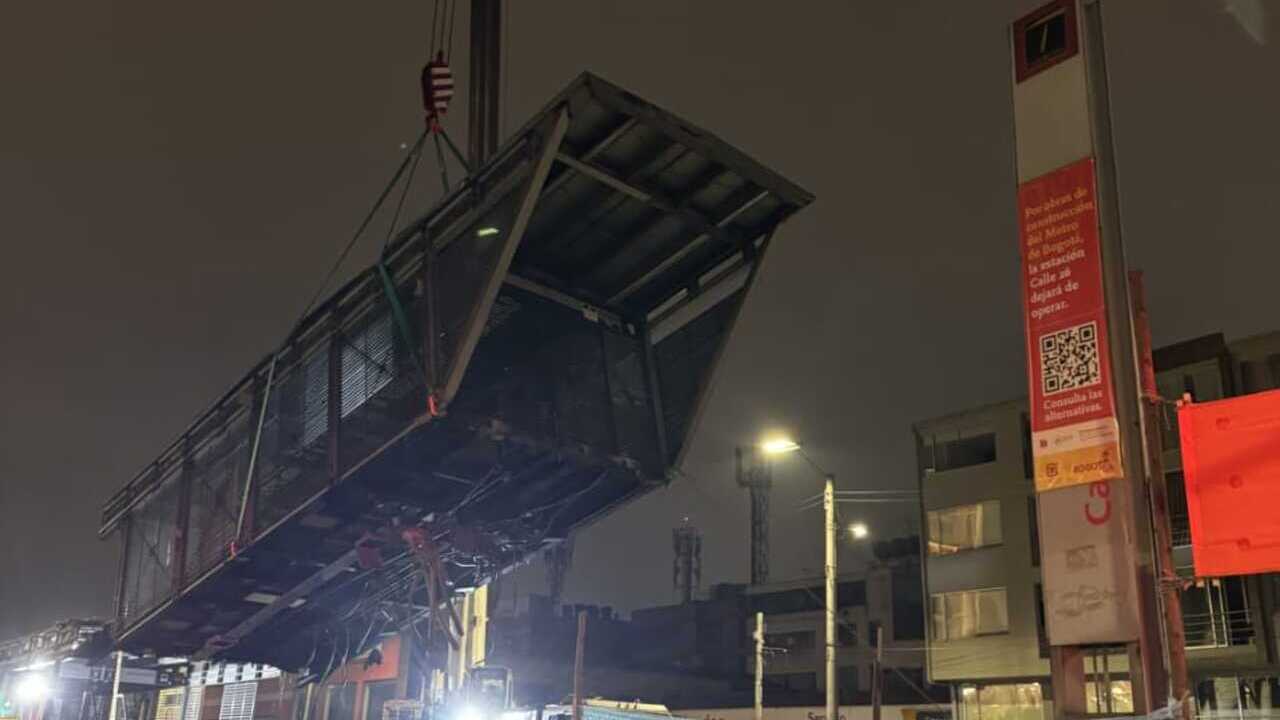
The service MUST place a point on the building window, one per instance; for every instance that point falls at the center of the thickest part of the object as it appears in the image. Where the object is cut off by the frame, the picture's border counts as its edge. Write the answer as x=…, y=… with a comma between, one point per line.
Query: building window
x=1028, y=454
x=195, y=704
x=238, y=701
x=169, y=703
x=1033, y=523
x=375, y=695
x=791, y=642
x=1042, y=632
x=1015, y=701
x=969, y=613
x=1118, y=700
x=792, y=681
x=951, y=453
x=342, y=702
x=964, y=527
x=847, y=634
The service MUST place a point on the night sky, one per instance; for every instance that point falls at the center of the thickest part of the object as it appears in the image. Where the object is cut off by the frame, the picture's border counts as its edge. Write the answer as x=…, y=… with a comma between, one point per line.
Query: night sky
x=175, y=178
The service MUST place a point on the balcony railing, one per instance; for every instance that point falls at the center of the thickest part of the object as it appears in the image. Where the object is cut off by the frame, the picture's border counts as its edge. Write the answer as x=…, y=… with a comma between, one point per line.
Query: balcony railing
x=1180, y=528
x=1218, y=630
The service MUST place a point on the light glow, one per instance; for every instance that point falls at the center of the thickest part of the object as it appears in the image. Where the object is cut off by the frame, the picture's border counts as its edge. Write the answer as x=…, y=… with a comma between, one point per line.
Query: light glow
x=487, y=231
x=31, y=689
x=859, y=531
x=778, y=446
x=469, y=712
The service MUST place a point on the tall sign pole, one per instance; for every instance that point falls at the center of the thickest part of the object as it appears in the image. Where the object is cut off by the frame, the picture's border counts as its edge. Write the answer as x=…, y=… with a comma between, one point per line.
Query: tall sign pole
x=1087, y=434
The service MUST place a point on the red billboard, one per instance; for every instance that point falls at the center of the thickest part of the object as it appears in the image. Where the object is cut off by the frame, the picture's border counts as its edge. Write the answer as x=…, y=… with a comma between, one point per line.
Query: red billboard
x=1231, y=466
x=1075, y=437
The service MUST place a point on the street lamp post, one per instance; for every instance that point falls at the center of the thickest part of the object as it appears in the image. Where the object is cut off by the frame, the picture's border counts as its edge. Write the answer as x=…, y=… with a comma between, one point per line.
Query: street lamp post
x=779, y=446
x=829, y=577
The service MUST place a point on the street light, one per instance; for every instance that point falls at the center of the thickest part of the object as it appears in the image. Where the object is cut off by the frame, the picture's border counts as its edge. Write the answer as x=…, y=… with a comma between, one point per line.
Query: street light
x=859, y=531
x=778, y=446
x=781, y=445
x=31, y=689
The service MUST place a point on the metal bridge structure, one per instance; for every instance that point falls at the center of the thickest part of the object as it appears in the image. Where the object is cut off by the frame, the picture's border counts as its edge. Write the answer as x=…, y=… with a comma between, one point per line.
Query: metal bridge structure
x=530, y=354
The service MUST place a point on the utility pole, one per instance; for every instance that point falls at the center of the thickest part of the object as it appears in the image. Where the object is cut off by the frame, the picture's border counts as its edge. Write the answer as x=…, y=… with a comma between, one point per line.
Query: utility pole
x=578, y=654
x=829, y=578
x=115, y=685
x=1175, y=640
x=759, y=638
x=877, y=675
x=486, y=81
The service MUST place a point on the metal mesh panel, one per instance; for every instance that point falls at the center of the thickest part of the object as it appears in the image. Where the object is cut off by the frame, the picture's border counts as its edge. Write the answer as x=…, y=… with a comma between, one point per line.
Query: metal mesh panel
x=547, y=371
x=683, y=361
x=312, y=383
x=368, y=363
x=382, y=383
x=149, y=564
x=583, y=409
x=629, y=393
x=293, y=456
x=217, y=477
x=463, y=269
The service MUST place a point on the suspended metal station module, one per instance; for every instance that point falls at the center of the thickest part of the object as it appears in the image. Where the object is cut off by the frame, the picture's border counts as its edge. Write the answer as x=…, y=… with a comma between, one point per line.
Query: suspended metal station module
x=529, y=355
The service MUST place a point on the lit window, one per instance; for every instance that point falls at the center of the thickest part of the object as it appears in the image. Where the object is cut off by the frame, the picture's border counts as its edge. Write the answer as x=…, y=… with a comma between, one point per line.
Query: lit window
x=964, y=527
x=969, y=613
x=1098, y=700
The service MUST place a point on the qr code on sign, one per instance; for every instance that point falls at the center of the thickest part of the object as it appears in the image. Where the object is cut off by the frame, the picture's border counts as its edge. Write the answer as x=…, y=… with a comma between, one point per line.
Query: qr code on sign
x=1069, y=358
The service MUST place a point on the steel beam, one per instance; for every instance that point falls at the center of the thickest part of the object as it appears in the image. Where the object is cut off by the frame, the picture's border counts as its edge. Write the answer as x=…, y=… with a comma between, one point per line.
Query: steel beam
x=479, y=314
x=588, y=310
x=593, y=152
x=683, y=252
x=233, y=636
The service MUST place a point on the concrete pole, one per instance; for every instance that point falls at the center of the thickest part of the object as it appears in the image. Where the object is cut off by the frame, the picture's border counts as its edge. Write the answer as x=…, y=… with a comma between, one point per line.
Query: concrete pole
x=579, y=652
x=829, y=525
x=759, y=638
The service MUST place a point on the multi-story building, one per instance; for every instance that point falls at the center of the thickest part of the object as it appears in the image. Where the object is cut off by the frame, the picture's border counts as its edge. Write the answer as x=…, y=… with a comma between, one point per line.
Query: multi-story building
x=986, y=616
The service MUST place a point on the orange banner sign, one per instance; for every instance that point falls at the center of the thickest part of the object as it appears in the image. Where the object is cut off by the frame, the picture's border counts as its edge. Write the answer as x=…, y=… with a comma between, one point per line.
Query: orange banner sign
x=1074, y=433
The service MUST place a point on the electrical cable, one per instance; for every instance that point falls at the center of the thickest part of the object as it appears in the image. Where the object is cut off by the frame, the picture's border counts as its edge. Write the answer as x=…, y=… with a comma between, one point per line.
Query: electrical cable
x=404, y=194
x=431, y=39
x=854, y=629
x=453, y=16
x=364, y=224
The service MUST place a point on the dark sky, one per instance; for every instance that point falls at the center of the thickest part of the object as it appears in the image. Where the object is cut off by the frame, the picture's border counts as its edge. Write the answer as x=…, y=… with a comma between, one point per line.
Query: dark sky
x=175, y=179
